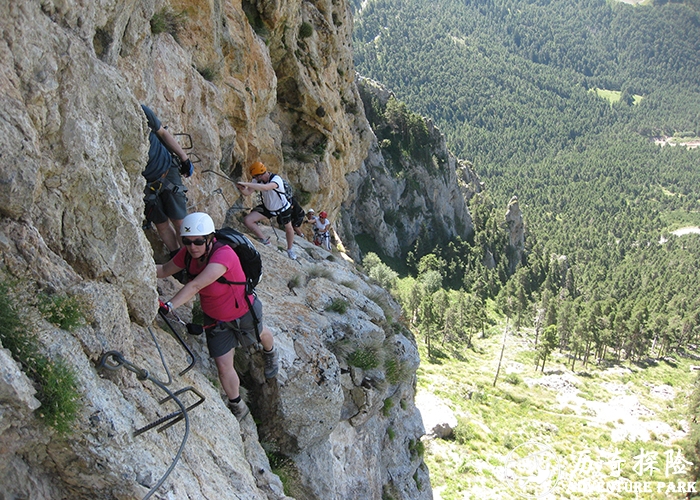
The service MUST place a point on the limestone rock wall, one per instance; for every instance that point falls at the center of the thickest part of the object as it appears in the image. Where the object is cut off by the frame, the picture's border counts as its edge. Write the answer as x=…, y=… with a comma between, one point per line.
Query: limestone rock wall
x=516, y=232
x=247, y=80
x=394, y=202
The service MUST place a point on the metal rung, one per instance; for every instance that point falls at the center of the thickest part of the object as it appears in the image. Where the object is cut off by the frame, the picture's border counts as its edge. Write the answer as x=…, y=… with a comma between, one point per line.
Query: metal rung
x=175, y=416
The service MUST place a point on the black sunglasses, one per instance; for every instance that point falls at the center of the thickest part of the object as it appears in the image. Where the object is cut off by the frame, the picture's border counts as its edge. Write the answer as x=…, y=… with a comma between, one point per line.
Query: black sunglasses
x=188, y=242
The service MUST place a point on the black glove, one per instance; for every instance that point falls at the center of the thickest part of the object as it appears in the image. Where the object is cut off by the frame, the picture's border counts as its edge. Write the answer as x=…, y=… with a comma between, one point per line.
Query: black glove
x=193, y=329
x=164, y=307
x=186, y=168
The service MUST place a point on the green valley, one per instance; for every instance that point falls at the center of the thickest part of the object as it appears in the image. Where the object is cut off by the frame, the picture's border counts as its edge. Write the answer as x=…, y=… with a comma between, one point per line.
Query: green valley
x=589, y=112
x=600, y=422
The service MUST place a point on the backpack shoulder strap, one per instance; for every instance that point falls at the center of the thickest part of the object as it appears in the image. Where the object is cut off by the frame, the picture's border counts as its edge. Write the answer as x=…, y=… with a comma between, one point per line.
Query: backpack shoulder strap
x=222, y=279
x=188, y=258
x=188, y=261
x=281, y=182
x=272, y=177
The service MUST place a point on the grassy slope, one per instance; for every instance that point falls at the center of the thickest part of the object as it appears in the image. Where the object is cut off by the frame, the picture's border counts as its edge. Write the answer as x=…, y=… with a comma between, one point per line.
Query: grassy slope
x=580, y=417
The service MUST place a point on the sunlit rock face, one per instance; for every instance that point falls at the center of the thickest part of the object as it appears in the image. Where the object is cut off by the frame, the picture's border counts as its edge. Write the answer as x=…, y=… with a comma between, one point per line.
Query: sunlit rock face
x=403, y=193
x=270, y=81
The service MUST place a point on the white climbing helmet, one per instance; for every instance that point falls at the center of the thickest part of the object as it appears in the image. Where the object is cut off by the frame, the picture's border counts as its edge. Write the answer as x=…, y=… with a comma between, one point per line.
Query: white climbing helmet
x=197, y=224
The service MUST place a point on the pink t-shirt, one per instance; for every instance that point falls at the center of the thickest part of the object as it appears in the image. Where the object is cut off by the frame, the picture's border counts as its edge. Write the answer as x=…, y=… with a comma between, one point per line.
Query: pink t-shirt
x=219, y=300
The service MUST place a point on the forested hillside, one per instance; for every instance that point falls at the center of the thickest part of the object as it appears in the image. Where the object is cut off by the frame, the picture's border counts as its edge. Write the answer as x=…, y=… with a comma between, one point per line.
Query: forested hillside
x=512, y=84
x=560, y=103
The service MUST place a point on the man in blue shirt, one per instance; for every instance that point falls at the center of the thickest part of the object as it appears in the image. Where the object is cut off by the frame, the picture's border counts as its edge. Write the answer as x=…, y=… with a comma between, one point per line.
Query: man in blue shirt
x=166, y=203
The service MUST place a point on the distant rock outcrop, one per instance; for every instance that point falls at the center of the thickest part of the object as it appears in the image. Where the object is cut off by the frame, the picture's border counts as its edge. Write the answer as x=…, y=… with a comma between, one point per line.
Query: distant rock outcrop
x=516, y=232
x=396, y=198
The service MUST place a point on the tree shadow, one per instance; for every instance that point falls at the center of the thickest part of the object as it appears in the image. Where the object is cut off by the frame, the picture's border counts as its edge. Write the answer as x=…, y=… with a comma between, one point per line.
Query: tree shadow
x=670, y=362
x=437, y=355
x=645, y=363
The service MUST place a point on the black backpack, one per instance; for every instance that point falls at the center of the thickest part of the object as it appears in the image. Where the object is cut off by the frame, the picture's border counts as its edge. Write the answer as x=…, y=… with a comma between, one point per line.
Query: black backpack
x=251, y=261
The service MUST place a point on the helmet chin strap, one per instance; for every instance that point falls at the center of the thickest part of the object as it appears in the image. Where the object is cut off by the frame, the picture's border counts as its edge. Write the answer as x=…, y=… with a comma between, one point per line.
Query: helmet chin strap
x=207, y=248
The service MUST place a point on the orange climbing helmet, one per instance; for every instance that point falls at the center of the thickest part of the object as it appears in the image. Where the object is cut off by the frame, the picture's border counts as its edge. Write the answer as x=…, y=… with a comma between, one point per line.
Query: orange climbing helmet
x=257, y=168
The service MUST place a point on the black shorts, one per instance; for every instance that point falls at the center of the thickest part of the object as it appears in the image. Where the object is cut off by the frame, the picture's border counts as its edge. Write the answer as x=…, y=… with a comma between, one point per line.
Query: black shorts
x=167, y=203
x=224, y=336
x=298, y=214
x=282, y=218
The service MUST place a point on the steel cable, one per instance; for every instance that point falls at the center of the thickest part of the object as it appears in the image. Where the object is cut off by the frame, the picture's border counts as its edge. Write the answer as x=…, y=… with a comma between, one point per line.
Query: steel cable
x=142, y=374
x=162, y=359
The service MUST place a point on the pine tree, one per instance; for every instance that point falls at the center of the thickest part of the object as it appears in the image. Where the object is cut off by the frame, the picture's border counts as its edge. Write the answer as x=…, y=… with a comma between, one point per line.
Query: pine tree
x=549, y=343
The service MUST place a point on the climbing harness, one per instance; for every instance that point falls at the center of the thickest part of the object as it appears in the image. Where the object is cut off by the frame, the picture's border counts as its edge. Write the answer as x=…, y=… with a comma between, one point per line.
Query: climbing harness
x=155, y=187
x=192, y=329
x=113, y=360
x=322, y=240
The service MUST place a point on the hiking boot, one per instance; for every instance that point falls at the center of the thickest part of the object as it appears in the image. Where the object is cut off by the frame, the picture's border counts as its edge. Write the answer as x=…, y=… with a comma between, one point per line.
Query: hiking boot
x=240, y=410
x=271, y=364
x=291, y=254
x=264, y=241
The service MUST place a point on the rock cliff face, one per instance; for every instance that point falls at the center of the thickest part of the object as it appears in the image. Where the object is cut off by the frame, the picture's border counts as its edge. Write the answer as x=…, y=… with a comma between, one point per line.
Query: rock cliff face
x=331, y=428
x=247, y=80
x=409, y=186
x=516, y=232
